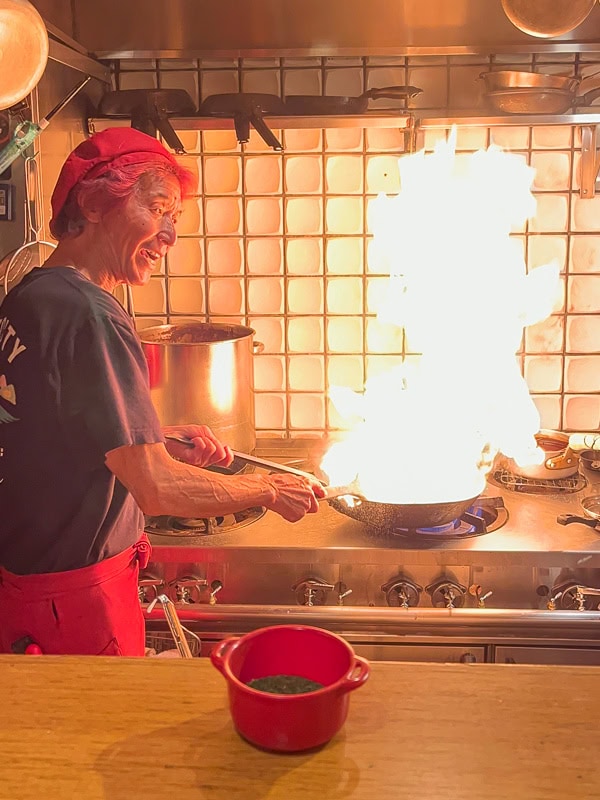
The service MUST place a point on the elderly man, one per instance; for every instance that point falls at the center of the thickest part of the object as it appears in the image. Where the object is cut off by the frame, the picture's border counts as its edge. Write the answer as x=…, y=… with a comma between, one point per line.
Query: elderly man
x=82, y=453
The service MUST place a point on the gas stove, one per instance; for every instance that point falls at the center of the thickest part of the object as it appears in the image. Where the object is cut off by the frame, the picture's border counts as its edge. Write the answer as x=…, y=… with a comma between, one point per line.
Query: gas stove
x=507, y=582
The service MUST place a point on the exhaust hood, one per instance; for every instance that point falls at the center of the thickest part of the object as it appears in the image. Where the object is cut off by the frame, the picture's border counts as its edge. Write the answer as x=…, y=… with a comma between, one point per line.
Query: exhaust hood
x=262, y=28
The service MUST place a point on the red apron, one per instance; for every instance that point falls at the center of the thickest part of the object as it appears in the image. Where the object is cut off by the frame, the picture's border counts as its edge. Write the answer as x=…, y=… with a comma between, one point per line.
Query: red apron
x=90, y=611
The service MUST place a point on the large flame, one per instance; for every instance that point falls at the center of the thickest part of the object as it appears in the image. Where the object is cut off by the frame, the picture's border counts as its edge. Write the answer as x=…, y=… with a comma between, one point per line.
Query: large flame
x=429, y=430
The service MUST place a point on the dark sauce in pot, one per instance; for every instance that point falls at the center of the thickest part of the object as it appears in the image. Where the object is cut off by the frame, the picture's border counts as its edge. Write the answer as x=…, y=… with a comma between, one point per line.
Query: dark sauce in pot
x=284, y=684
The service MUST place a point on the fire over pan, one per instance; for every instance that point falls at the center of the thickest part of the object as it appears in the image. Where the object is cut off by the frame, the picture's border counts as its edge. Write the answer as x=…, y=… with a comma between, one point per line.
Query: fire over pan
x=371, y=512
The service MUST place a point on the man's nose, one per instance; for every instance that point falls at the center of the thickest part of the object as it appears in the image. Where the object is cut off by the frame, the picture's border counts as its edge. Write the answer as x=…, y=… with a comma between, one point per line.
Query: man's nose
x=167, y=233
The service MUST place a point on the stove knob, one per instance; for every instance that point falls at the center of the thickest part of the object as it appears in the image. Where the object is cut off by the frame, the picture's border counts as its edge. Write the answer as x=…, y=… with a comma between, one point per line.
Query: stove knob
x=149, y=587
x=312, y=591
x=446, y=594
x=576, y=596
x=188, y=588
x=402, y=592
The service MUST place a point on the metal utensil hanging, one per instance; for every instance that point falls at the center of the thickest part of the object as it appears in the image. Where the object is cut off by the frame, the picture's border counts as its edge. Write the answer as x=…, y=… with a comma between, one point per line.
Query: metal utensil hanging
x=21, y=260
x=26, y=132
x=177, y=630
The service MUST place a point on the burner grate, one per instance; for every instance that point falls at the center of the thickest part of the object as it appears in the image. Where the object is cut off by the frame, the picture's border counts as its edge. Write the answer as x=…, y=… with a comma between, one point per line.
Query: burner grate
x=186, y=526
x=487, y=514
x=516, y=483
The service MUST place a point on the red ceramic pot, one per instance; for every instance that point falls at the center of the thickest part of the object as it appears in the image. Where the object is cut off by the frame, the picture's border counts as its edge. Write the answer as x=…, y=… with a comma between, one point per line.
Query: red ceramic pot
x=288, y=723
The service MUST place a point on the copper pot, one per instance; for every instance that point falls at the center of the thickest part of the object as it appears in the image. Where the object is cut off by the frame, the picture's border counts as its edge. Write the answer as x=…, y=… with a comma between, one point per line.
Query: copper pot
x=560, y=461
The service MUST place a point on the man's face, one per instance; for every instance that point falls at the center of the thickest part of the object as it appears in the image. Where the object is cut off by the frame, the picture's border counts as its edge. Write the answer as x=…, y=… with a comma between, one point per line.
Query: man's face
x=139, y=232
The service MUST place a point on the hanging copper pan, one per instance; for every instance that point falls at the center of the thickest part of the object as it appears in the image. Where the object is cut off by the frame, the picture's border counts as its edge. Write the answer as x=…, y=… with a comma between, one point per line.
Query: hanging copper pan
x=23, y=50
x=547, y=18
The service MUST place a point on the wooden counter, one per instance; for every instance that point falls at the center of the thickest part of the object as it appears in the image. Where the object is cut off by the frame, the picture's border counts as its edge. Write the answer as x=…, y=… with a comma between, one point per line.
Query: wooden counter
x=122, y=729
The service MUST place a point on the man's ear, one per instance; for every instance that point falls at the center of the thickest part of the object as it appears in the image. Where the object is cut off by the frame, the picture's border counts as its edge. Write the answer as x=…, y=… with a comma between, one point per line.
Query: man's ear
x=89, y=207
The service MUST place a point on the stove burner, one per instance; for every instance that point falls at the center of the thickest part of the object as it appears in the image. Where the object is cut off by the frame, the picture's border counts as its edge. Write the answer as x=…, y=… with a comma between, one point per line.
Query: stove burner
x=508, y=480
x=191, y=526
x=487, y=514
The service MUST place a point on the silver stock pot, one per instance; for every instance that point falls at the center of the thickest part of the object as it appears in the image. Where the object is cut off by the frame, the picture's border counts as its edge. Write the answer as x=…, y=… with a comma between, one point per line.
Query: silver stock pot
x=203, y=373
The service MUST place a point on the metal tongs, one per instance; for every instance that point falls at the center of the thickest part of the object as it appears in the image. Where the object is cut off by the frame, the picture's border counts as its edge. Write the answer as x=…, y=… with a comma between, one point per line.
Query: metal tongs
x=273, y=466
x=177, y=630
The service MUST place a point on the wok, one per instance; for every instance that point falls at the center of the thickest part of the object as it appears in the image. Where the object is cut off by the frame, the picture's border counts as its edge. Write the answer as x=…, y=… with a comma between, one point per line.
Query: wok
x=514, y=92
x=308, y=104
x=400, y=515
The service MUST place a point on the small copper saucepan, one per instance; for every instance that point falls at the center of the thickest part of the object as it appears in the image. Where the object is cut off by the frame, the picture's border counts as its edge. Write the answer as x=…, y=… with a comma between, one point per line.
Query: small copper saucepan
x=560, y=461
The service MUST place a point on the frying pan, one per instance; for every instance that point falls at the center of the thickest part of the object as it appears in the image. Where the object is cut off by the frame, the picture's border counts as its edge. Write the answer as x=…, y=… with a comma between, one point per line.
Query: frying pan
x=387, y=516
x=298, y=104
x=149, y=110
x=514, y=92
x=246, y=108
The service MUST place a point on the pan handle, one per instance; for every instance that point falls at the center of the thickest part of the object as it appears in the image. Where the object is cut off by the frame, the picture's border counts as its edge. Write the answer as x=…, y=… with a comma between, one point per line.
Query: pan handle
x=241, y=121
x=567, y=519
x=586, y=99
x=265, y=132
x=249, y=459
x=393, y=92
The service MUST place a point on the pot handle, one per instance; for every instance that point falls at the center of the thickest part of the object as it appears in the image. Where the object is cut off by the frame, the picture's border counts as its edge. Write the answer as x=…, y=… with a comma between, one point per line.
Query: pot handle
x=219, y=653
x=258, y=347
x=586, y=99
x=563, y=460
x=356, y=676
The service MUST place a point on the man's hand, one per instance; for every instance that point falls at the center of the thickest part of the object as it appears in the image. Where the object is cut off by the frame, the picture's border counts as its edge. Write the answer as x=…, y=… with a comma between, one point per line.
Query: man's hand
x=294, y=497
x=207, y=449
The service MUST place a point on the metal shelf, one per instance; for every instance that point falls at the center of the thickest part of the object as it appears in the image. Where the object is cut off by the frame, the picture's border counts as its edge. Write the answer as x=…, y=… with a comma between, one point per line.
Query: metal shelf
x=526, y=120
x=65, y=50
x=411, y=123
x=200, y=123
x=371, y=120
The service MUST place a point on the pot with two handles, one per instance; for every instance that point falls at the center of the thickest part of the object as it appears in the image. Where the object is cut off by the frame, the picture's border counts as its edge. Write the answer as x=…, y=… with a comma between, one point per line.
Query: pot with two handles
x=202, y=373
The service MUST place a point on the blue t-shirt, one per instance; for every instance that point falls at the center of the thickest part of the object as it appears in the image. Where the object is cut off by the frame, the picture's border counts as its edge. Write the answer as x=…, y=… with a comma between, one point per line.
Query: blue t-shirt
x=73, y=385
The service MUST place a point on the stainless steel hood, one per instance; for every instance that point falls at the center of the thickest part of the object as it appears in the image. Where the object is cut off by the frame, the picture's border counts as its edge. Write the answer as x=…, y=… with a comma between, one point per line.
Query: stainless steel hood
x=261, y=28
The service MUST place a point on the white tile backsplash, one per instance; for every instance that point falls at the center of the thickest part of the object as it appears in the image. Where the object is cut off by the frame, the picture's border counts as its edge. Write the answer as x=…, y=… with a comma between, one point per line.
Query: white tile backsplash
x=281, y=241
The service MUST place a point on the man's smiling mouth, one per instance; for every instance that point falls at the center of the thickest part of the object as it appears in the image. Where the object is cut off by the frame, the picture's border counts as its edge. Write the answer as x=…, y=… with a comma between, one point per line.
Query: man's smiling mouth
x=151, y=255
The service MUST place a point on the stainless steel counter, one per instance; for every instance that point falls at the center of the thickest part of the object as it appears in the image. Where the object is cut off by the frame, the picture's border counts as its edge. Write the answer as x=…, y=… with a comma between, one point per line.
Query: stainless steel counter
x=531, y=536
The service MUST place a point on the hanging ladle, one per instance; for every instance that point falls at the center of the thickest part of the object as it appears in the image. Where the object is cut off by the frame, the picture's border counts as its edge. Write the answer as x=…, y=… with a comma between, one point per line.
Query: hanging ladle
x=175, y=626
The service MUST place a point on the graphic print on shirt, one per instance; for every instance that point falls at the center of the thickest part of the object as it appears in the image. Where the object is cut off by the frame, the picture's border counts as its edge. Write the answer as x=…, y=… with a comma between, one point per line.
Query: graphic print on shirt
x=10, y=347
x=7, y=392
